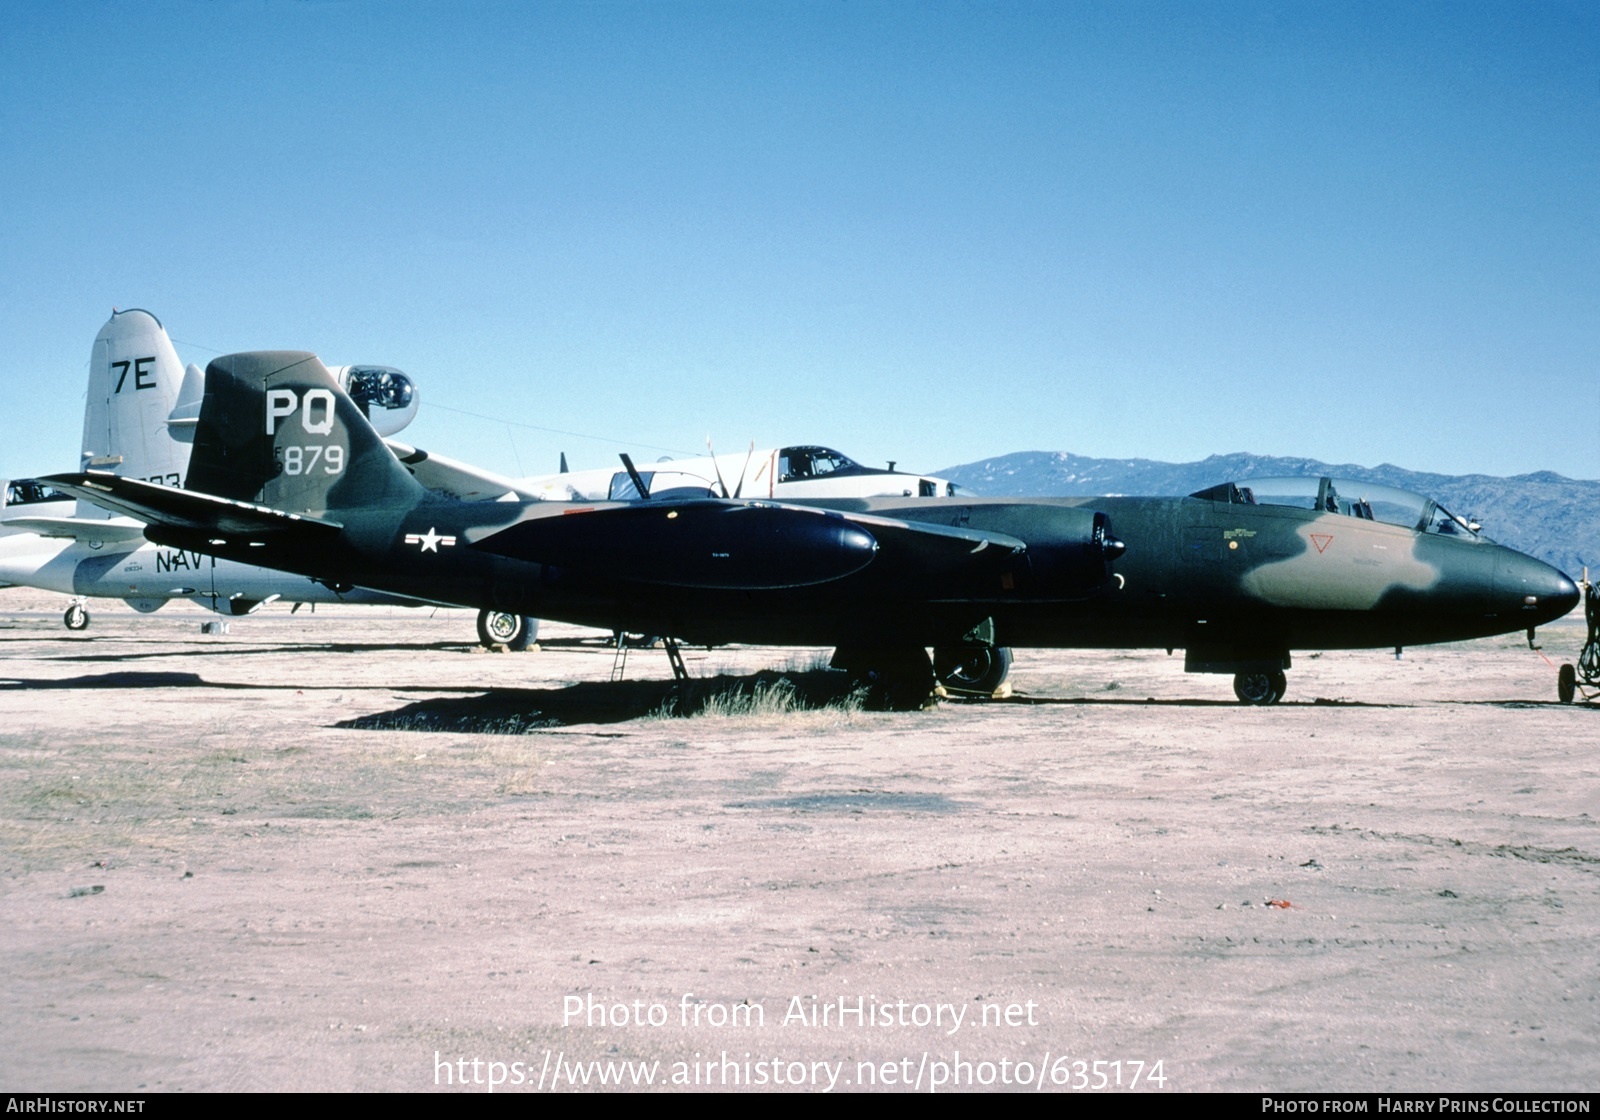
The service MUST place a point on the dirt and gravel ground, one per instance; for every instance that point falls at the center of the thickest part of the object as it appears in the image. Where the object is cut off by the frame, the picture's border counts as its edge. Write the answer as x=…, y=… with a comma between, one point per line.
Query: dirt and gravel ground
x=353, y=851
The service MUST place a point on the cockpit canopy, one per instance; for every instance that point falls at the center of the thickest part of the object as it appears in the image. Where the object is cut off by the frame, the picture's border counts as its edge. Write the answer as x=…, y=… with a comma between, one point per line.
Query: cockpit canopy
x=798, y=463
x=27, y=492
x=1365, y=500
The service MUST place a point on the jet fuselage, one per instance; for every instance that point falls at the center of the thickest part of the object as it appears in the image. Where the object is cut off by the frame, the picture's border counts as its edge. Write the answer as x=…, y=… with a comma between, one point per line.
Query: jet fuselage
x=1232, y=582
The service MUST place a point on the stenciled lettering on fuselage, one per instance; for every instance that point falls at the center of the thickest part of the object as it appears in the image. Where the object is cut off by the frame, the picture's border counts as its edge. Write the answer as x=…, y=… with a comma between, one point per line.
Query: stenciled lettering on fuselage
x=315, y=409
x=178, y=560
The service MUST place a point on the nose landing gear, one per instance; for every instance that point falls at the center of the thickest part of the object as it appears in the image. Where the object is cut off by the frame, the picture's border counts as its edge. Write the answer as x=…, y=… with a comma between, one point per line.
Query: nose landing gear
x=1260, y=688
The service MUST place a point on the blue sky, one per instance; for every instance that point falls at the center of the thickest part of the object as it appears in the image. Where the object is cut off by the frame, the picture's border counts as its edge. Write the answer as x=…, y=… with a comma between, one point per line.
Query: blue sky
x=928, y=232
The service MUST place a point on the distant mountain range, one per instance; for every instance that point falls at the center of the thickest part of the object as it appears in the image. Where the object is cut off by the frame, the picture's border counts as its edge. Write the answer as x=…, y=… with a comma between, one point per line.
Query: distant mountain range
x=1546, y=515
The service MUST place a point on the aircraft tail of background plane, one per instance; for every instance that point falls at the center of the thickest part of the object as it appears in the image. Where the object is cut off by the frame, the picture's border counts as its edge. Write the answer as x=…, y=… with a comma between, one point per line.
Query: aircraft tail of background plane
x=275, y=430
x=135, y=379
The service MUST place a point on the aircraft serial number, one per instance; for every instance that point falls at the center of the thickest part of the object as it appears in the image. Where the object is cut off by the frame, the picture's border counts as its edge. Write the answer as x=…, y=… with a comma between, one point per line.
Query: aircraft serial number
x=304, y=460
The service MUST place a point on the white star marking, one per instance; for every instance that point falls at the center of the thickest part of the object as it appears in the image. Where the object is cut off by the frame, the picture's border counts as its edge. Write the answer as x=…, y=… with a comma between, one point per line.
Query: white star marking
x=429, y=541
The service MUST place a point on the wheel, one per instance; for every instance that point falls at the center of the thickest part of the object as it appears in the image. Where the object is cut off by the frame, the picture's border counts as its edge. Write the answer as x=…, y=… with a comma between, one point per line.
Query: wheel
x=1567, y=683
x=896, y=680
x=972, y=668
x=500, y=628
x=77, y=617
x=1260, y=688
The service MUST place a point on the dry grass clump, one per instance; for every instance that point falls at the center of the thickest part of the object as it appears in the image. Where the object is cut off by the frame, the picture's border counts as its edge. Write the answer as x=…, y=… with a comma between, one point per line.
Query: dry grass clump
x=768, y=698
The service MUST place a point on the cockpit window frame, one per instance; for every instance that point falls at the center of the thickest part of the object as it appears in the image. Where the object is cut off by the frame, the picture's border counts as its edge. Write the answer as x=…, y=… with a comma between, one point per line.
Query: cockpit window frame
x=842, y=463
x=1366, y=501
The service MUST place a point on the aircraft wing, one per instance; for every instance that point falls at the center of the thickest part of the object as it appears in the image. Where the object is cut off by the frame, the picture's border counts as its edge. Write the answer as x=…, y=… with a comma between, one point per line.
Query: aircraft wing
x=187, y=510
x=952, y=564
x=79, y=528
x=704, y=544
x=747, y=545
x=457, y=479
x=953, y=539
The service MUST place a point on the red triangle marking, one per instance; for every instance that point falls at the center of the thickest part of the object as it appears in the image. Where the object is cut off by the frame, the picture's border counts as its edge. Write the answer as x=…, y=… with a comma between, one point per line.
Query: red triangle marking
x=1322, y=541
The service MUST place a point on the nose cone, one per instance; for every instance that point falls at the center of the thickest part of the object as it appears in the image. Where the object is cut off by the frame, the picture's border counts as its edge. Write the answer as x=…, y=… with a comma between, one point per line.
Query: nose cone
x=1539, y=593
x=1564, y=596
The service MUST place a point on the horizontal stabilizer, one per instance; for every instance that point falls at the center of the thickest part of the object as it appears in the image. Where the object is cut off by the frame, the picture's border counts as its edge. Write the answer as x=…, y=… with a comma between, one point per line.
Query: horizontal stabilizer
x=456, y=479
x=187, y=510
x=78, y=528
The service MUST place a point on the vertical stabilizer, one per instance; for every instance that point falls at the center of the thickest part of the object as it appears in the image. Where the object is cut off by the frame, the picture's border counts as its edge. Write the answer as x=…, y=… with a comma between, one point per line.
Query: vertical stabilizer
x=134, y=377
x=275, y=429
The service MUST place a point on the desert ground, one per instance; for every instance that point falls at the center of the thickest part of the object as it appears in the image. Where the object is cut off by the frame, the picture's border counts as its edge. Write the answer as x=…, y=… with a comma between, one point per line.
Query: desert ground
x=354, y=851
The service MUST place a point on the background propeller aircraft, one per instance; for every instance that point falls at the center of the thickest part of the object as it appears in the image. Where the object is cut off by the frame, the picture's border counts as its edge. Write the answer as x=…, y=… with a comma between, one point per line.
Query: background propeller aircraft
x=288, y=473
x=781, y=473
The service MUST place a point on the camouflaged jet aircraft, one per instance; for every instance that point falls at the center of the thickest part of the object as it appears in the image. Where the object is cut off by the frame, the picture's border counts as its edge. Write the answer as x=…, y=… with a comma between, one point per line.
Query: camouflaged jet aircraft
x=287, y=473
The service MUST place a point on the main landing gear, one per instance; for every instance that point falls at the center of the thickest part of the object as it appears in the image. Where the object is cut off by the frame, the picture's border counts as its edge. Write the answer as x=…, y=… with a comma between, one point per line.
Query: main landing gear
x=895, y=679
x=1260, y=688
x=512, y=631
x=902, y=679
x=972, y=670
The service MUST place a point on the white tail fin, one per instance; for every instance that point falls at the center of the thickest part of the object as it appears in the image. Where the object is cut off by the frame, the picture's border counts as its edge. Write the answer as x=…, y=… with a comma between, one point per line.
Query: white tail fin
x=134, y=380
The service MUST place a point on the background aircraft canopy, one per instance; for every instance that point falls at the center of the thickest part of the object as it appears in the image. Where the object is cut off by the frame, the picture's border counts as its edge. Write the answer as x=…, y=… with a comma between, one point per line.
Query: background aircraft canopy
x=386, y=396
x=1367, y=500
x=796, y=463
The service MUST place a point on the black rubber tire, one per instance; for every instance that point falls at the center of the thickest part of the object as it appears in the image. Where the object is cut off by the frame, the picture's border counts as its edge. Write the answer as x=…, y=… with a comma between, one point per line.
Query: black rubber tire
x=1260, y=688
x=895, y=679
x=76, y=618
x=500, y=628
x=979, y=669
x=1567, y=683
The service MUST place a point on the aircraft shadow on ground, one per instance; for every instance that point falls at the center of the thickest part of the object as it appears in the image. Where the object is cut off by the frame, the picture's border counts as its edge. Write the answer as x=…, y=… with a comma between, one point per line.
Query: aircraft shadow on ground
x=1174, y=702
x=121, y=681
x=212, y=652
x=513, y=711
x=209, y=651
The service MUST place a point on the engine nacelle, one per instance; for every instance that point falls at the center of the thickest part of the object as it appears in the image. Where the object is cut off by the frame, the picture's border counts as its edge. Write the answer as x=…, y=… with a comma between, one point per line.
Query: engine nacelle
x=1073, y=554
x=387, y=397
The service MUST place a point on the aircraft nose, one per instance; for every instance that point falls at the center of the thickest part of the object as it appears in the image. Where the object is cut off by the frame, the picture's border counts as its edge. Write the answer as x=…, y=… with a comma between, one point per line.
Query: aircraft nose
x=1564, y=597
x=1544, y=593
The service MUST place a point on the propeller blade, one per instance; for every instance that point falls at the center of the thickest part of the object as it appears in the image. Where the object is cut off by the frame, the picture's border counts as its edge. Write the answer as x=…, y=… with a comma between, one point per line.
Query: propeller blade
x=716, y=468
x=739, y=489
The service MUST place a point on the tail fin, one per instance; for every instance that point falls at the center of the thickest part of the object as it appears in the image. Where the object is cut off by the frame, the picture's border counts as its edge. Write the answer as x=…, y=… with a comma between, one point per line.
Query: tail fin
x=134, y=378
x=276, y=430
